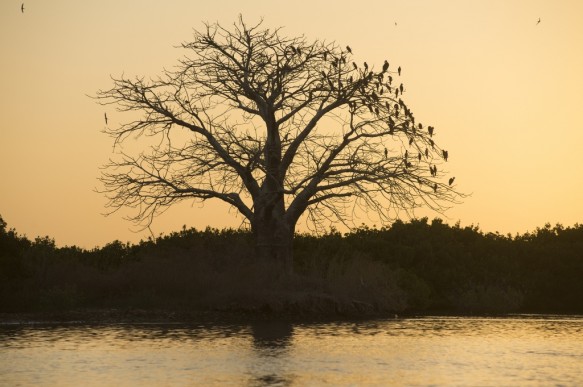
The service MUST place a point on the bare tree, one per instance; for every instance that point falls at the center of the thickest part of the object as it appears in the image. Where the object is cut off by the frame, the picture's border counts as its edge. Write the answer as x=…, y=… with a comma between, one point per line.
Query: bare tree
x=276, y=127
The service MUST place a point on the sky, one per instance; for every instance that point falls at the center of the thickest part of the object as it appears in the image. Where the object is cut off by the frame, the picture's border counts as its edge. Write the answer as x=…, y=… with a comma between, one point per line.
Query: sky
x=503, y=93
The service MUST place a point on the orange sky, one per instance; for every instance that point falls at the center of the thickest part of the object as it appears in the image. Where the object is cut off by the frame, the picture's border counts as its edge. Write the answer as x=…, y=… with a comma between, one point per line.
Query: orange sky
x=503, y=93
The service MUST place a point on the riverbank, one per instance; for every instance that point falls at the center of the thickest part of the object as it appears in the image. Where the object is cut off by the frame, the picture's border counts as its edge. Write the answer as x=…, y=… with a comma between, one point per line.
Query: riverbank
x=417, y=267
x=143, y=316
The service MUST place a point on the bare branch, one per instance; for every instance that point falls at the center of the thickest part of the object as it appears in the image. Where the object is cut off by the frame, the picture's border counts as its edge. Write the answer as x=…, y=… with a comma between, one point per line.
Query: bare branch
x=275, y=127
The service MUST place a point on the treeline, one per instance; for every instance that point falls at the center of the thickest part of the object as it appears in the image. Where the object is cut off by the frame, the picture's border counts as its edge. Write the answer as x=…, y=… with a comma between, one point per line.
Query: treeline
x=417, y=267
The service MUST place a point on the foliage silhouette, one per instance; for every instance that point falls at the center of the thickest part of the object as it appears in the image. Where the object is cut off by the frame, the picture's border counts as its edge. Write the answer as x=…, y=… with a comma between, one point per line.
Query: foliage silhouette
x=414, y=267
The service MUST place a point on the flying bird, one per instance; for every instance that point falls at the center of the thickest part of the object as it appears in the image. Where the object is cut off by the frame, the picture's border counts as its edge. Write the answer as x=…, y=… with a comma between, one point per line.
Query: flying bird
x=105, y=115
x=538, y=22
x=22, y=8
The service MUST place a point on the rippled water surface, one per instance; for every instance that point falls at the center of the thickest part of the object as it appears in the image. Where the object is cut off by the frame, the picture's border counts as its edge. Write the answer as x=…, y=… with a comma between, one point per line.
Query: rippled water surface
x=428, y=351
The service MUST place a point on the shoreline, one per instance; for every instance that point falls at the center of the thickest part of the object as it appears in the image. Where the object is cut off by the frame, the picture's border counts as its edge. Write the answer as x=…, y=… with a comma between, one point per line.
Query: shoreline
x=224, y=317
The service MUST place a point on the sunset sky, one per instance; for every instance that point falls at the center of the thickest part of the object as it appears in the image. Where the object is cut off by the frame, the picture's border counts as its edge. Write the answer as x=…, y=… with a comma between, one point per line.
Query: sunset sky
x=504, y=94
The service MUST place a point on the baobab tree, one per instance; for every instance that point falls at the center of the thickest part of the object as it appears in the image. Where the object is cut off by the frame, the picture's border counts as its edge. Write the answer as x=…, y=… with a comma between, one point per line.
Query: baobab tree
x=278, y=128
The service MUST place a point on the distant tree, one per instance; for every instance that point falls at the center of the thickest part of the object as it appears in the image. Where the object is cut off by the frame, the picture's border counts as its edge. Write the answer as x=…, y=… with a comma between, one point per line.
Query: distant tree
x=277, y=128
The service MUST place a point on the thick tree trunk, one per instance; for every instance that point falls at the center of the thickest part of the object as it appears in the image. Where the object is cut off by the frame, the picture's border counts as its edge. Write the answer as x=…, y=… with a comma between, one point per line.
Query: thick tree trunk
x=274, y=241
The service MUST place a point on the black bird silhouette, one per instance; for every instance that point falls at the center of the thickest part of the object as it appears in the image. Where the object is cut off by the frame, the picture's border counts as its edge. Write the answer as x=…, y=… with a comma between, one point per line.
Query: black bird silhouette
x=419, y=157
x=349, y=49
x=386, y=153
x=401, y=88
x=385, y=66
x=445, y=155
x=105, y=115
x=430, y=129
x=451, y=180
x=22, y=8
x=426, y=152
x=435, y=187
x=354, y=65
x=365, y=66
x=537, y=23
x=325, y=55
x=399, y=70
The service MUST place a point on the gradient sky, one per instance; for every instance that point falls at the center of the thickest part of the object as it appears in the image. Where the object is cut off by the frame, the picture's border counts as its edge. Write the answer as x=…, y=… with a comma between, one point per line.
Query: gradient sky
x=504, y=94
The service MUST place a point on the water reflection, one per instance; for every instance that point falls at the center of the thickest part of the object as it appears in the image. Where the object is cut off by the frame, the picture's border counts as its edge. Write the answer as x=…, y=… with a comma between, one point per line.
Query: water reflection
x=271, y=342
x=522, y=350
x=272, y=336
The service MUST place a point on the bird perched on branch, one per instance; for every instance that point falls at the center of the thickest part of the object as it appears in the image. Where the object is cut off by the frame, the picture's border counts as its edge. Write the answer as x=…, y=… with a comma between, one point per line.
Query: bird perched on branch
x=385, y=66
x=105, y=116
x=349, y=49
x=451, y=180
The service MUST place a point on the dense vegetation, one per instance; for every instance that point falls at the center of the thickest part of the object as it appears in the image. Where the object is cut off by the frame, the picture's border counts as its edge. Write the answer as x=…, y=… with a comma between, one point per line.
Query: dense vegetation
x=416, y=267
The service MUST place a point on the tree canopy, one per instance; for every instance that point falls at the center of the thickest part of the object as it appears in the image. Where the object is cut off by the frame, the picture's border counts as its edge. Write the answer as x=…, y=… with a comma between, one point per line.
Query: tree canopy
x=276, y=127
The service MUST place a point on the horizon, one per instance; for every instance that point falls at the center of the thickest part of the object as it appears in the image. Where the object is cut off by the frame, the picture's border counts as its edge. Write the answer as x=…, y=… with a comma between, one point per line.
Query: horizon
x=500, y=88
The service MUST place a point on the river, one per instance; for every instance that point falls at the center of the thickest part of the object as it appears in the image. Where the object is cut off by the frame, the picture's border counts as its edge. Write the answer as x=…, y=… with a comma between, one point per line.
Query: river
x=424, y=351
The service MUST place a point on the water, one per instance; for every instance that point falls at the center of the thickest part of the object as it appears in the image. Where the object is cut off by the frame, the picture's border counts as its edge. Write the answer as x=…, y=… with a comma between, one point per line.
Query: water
x=429, y=351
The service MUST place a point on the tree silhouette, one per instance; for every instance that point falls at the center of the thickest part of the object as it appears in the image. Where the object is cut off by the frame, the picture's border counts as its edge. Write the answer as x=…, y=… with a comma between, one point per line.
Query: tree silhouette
x=277, y=128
